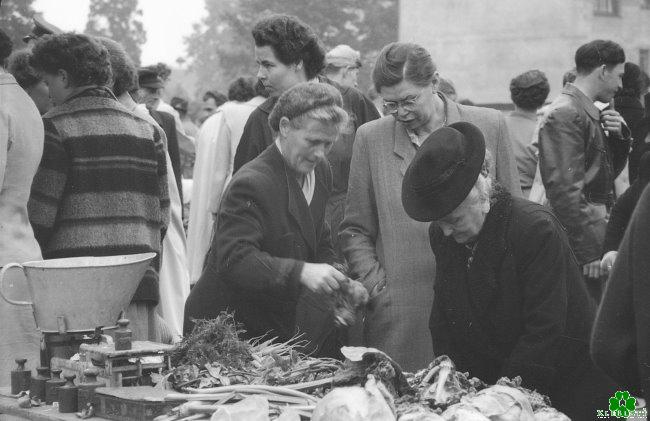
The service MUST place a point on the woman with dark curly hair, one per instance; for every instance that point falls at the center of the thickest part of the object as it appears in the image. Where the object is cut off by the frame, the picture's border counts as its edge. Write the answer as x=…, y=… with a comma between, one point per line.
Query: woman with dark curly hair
x=88, y=198
x=288, y=52
x=29, y=80
x=71, y=63
x=528, y=91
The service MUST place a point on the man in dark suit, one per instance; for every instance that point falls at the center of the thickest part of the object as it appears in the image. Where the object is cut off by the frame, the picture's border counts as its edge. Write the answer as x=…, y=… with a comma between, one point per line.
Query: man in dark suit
x=270, y=256
x=149, y=94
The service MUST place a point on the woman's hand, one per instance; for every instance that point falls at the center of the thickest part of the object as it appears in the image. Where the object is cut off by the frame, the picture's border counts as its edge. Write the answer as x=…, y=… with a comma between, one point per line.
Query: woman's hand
x=321, y=278
x=607, y=262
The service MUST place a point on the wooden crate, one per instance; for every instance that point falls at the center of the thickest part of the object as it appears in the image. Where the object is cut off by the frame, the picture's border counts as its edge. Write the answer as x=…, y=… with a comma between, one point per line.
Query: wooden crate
x=132, y=403
x=119, y=369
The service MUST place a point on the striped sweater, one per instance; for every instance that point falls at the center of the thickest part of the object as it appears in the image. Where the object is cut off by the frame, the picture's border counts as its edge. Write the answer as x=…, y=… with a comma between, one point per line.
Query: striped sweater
x=101, y=187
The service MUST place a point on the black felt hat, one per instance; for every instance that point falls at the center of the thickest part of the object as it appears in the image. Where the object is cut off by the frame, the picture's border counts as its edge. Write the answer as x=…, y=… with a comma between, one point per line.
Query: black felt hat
x=443, y=172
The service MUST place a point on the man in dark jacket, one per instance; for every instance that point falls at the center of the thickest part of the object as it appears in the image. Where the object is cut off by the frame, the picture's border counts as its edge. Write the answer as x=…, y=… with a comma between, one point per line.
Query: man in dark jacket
x=289, y=52
x=149, y=93
x=271, y=249
x=582, y=150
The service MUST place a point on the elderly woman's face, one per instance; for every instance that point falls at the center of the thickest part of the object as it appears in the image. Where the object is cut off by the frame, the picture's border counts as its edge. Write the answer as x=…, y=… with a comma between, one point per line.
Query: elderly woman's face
x=466, y=221
x=304, y=147
x=410, y=104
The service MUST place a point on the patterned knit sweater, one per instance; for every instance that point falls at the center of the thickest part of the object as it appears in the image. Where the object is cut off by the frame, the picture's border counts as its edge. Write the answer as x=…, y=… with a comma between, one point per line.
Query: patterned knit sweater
x=101, y=187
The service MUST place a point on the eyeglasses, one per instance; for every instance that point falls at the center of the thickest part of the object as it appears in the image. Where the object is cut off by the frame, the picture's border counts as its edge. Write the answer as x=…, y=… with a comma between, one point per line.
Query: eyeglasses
x=409, y=104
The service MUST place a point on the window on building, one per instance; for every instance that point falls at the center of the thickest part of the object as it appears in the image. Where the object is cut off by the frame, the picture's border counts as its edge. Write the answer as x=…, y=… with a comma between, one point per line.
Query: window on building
x=644, y=60
x=607, y=7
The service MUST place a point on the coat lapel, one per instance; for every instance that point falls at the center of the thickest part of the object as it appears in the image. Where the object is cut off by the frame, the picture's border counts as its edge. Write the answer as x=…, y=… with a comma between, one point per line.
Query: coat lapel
x=319, y=201
x=587, y=104
x=488, y=256
x=404, y=148
x=297, y=204
x=453, y=113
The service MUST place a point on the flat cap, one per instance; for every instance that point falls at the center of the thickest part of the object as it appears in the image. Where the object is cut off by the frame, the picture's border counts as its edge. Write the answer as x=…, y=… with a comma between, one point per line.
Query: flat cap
x=343, y=55
x=148, y=78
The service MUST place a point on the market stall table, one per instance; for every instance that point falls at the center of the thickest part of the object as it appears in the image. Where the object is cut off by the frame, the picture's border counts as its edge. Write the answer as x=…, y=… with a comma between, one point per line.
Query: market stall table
x=9, y=410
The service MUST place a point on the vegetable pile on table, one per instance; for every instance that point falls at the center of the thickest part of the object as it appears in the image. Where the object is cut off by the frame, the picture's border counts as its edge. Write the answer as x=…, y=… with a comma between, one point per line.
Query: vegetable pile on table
x=215, y=355
x=223, y=377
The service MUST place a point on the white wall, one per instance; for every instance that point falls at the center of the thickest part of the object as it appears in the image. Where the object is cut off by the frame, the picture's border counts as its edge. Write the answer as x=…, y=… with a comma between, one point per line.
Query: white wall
x=481, y=44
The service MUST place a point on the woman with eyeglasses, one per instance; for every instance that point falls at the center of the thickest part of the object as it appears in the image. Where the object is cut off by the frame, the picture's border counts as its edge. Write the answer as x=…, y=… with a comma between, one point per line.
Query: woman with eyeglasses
x=387, y=250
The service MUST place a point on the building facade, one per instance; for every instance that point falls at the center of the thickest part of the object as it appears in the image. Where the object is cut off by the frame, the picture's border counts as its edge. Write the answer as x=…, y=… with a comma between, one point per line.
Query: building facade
x=481, y=44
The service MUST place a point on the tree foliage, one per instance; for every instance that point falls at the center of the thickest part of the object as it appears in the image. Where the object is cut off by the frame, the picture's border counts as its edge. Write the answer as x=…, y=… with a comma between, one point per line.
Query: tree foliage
x=221, y=47
x=119, y=20
x=16, y=19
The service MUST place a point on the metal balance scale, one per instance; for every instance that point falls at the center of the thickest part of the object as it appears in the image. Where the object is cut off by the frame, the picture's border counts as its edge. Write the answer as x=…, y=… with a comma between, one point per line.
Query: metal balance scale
x=74, y=300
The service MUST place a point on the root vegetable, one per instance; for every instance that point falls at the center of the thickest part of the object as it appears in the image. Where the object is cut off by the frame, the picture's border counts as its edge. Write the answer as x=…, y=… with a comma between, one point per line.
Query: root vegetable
x=280, y=390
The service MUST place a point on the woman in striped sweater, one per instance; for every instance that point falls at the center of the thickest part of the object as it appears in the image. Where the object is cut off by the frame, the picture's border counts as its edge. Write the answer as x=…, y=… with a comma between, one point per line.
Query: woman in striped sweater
x=101, y=187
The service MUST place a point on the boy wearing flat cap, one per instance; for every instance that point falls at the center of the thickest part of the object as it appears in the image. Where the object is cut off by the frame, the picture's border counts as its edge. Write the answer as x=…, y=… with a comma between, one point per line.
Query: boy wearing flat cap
x=149, y=93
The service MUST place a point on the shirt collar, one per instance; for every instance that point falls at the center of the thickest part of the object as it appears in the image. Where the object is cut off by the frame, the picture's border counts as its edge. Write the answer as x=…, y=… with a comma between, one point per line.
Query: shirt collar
x=308, y=180
x=527, y=115
x=415, y=139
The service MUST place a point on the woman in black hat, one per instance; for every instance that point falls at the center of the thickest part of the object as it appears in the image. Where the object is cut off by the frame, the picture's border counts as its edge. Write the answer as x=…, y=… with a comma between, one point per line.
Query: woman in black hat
x=509, y=299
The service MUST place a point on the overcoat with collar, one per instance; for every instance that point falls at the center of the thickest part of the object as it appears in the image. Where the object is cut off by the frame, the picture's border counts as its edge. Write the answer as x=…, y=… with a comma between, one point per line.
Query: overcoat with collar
x=265, y=233
x=388, y=251
x=515, y=305
x=620, y=342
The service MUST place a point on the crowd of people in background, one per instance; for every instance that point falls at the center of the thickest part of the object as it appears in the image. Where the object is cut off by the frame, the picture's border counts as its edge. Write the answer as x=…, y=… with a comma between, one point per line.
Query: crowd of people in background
x=514, y=242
